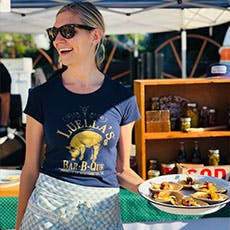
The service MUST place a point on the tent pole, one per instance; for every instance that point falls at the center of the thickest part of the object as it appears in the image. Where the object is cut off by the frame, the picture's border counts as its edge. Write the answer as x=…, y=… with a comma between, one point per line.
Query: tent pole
x=183, y=53
x=183, y=42
x=136, y=53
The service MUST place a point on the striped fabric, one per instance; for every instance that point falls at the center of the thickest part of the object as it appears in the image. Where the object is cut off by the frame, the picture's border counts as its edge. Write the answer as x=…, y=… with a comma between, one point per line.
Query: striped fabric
x=60, y=205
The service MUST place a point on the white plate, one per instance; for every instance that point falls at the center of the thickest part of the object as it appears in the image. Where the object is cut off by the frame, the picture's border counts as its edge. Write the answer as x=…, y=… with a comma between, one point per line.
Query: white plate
x=182, y=210
x=9, y=177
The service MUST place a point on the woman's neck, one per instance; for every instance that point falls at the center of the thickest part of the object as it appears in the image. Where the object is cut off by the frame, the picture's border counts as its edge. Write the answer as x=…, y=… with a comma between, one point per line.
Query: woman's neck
x=82, y=80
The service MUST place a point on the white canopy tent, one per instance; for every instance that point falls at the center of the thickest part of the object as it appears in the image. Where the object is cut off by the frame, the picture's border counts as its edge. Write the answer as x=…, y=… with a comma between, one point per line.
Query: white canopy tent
x=122, y=17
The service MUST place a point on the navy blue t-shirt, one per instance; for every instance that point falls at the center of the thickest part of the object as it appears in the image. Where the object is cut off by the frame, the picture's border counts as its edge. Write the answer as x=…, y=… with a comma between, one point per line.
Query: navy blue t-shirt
x=82, y=130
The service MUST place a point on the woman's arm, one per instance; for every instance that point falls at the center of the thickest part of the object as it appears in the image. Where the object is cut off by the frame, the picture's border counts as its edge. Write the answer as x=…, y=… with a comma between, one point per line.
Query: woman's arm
x=30, y=170
x=126, y=176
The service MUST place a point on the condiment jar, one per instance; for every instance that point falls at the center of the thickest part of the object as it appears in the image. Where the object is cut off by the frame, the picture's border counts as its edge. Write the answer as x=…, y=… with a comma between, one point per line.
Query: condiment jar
x=168, y=168
x=212, y=117
x=153, y=173
x=152, y=169
x=154, y=103
x=185, y=123
x=204, y=116
x=192, y=111
x=213, y=157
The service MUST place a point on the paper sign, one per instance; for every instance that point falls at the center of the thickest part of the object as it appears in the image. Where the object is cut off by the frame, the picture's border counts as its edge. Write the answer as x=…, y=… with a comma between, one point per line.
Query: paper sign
x=221, y=171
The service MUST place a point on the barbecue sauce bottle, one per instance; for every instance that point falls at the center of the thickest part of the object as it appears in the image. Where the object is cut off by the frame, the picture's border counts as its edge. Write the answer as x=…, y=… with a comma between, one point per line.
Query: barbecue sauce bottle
x=196, y=155
x=182, y=155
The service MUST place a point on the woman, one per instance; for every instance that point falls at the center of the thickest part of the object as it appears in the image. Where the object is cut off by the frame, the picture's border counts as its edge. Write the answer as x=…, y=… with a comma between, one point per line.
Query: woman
x=87, y=120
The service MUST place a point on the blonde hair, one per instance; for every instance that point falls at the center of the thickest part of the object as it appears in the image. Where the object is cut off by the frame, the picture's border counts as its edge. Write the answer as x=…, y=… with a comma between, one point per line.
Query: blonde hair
x=90, y=16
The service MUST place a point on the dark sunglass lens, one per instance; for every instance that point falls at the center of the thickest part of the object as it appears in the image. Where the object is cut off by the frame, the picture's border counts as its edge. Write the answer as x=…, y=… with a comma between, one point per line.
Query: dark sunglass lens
x=52, y=33
x=67, y=31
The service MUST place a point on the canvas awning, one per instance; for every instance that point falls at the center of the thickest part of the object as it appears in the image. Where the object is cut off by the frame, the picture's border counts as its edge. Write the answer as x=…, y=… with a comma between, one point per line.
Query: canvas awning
x=122, y=17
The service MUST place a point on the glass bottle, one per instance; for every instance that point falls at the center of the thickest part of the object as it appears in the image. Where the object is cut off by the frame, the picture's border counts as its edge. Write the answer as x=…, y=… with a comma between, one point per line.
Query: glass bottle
x=192, y=111
x=212, y=117
x=228, y=118
x=204, y=116
x=152, y=169
x=214, y=157
x=182, y=155
x=155, y=105
x=196, y=155
x=185, y=123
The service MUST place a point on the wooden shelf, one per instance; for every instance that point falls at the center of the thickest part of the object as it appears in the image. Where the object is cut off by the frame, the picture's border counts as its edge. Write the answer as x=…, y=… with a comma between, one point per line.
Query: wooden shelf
x=187, y=81
x=213, y=93
x=178, y=134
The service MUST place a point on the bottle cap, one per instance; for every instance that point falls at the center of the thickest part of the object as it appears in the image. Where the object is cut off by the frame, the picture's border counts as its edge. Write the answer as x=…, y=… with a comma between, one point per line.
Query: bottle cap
x=214, y=151
x=212, y=111
x=155, y=98
x=185, y=119
x=153, y=161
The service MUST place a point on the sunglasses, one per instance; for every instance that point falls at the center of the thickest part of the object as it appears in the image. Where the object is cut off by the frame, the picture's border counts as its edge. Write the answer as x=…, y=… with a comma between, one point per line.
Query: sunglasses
x=67, y=31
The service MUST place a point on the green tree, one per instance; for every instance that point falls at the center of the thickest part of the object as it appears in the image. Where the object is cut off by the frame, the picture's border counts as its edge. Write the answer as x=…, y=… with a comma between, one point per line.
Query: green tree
x=16, y=45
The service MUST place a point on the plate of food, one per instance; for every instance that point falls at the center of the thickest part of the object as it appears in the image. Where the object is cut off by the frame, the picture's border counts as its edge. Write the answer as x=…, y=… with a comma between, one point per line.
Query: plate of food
x=208, y=185
x=188, y=182
x=165, y=186
x=182, y=204
x=175, y=198
x=210, y=197
x=9, y=177
x=170, y=197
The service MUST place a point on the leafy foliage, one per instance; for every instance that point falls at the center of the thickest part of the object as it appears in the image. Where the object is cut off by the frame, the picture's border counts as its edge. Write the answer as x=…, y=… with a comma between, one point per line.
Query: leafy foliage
x=16, y=45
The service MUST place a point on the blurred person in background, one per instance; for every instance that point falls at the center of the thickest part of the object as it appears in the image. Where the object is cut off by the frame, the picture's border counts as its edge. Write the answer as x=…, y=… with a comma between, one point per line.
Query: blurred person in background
x=5, y=90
